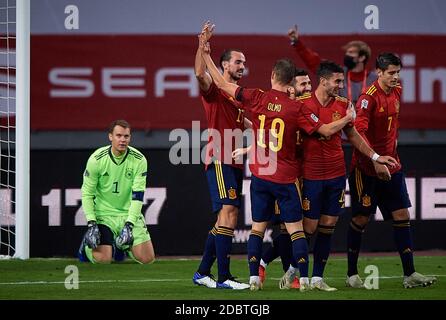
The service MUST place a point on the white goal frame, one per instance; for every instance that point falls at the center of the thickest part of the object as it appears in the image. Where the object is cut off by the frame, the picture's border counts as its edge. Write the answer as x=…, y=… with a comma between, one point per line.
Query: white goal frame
x=22, y=128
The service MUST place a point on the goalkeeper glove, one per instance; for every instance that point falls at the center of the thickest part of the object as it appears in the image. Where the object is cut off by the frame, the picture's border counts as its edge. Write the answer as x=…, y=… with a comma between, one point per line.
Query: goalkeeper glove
x=92, y=236
x=125, y=238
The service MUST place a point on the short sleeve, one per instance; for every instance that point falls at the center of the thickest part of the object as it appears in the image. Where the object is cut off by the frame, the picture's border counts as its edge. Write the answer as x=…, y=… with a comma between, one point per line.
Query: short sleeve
x=364, y=107
x=308, y=121
x=249, y=97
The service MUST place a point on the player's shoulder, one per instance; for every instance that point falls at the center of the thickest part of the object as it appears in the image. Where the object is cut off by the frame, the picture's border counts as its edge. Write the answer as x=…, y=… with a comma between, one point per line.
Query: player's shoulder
x=371, y=91
x=136, y=154
x=304, y=97
x=341, y=100
x=100, y=153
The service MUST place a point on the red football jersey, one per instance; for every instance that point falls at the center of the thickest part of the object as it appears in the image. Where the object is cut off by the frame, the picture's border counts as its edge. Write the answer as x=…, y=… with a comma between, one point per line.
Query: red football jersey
x=323, y=156
x=222, y=112
x=276, y=121
x=377, y=121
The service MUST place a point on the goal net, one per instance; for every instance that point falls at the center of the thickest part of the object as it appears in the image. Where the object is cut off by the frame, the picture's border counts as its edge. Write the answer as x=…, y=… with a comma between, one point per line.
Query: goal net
x=14, y=128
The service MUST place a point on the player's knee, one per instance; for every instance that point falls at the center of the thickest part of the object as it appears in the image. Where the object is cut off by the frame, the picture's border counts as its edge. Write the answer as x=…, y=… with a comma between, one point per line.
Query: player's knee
x=146, y=259
x=101, y=258
x=228, y=216
x=310, y=226
x=402, y=214
x=310, y=229
x=361, y=220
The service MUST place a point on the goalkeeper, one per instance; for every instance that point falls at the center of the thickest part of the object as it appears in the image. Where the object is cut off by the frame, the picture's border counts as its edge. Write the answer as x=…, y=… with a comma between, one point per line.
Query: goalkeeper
x=112, y=196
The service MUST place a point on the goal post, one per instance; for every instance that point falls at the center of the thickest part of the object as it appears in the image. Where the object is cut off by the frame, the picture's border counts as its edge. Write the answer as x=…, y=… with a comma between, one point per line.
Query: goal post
x=22, y=127
x=14, y=128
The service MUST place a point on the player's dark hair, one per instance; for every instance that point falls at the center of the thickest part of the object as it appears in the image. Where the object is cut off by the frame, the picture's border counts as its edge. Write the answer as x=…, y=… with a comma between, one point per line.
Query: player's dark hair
x=300, y=72
x=121, y=123
x=285, y=71
x=327, y=68
x=385, y=59
x=226, y=56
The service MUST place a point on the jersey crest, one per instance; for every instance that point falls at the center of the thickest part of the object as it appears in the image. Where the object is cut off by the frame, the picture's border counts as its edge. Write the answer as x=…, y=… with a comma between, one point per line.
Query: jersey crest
x=336, y=116
x=129, y=173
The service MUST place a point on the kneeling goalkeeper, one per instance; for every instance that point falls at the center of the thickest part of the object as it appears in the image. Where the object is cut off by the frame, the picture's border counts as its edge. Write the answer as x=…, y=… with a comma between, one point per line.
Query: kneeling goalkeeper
x=112, y=196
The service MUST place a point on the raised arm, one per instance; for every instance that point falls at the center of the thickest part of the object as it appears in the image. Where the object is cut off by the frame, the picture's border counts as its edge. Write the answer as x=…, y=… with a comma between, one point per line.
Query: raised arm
x=204, y=79
x=308, y=56
x=220, y=82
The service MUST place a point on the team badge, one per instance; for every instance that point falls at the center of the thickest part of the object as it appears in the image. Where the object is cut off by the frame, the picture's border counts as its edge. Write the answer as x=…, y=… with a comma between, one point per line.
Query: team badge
x=232, y=194
x=397, y=106
x=336, y=116
x=366, y=201
x=364, y=103
x=129, y=173
x=306, y=204
x=314, y=117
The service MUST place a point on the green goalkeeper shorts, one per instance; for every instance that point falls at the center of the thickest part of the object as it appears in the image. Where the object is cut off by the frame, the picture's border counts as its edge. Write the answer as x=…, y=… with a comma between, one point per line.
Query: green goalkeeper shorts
x=116, y=223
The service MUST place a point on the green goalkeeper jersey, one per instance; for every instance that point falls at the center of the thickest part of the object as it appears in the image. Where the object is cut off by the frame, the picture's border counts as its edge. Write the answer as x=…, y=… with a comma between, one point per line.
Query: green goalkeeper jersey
x=114, y=186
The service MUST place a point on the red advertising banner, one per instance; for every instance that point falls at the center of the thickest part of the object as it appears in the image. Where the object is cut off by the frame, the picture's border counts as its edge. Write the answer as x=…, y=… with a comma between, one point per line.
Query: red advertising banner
x=84, y=82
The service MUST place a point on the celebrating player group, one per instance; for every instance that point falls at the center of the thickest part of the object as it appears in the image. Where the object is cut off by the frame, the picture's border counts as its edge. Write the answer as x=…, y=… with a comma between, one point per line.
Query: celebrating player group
x=297, y=162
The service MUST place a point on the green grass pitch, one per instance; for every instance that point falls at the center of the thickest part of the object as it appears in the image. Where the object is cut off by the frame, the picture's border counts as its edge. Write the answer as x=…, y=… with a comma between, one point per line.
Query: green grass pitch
x=170, y=279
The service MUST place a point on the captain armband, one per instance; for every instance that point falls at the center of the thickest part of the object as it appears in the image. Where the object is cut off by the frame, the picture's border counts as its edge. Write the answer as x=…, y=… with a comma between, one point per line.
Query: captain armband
x=138, y=195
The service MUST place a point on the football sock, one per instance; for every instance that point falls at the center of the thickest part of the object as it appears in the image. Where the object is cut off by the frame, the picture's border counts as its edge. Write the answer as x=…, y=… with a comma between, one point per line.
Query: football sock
x=209, y=254
x=223, y=244
x=254, y=252
x=403, y=240
x=285, y=250
x=354, y=237
x=322, y=249
x=300, y=252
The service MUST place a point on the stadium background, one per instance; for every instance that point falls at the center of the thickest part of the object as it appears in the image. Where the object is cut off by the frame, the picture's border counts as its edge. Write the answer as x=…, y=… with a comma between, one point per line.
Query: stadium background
x=134, y=60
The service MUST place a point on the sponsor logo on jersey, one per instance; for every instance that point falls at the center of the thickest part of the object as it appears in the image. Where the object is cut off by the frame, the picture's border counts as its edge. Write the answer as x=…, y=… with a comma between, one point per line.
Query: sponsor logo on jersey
x=381, y=109
x=105, y=174
x=86, y=173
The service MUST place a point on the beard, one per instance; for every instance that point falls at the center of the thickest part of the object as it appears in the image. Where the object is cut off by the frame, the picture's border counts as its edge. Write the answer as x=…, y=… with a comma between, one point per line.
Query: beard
x=235, y=75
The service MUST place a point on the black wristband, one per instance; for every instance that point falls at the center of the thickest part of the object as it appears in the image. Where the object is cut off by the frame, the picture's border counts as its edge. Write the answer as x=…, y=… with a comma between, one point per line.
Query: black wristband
x=91, y=223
